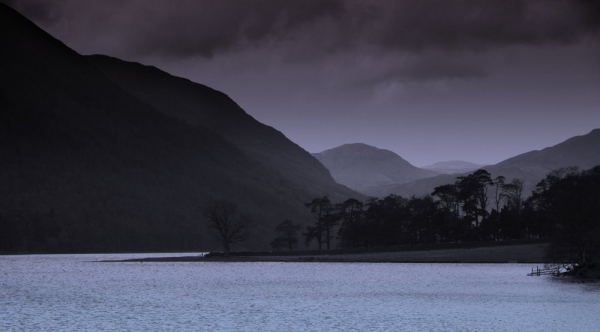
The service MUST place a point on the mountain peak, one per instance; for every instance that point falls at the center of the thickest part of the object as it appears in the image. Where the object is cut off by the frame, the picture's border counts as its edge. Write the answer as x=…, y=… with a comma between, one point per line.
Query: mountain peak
x=362, y=150
x=357, y=145
x=360, y=166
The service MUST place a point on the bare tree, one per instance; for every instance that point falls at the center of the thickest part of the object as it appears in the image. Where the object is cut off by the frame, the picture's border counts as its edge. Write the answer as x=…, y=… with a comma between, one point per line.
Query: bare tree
x=513, y=195
x=499, y=183
x=229, y=225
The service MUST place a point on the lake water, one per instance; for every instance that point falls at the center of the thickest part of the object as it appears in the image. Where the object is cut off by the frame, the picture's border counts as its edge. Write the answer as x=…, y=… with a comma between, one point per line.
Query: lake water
x=78, y=293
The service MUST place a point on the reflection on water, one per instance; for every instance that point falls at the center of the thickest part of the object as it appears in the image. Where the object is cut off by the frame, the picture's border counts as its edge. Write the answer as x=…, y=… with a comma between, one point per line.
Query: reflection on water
x=75, y=292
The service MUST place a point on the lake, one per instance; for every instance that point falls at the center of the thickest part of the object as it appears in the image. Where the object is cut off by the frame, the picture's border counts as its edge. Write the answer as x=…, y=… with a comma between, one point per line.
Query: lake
x=76, y=292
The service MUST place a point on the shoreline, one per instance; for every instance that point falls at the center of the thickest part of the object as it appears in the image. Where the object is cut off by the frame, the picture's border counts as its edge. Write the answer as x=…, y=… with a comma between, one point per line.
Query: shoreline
x=522, y=253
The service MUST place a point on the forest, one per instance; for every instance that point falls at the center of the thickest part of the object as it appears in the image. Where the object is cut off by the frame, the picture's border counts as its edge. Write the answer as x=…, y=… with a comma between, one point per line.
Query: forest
x=564, y=208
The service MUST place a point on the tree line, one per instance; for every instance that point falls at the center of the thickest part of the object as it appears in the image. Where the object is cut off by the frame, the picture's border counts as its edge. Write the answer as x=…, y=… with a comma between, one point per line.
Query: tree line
x=452, y=213
x=564, y=208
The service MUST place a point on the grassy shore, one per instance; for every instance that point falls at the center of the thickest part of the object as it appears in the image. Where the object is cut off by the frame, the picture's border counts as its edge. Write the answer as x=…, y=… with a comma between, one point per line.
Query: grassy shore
x=520, y=253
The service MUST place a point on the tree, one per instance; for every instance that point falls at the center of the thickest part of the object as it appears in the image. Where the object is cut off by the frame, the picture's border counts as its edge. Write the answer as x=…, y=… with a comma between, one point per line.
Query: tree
x=448, y=195
x=351, y=233
x=512, y=193
x=473, y=190
x=491, y=225
x=450, y=210
x=424, y=227
x=541, y=199
x=569, y=201
x=326, y=218
x=499, y=183
x=287, y=235
x=228, y=224
x=387, y=221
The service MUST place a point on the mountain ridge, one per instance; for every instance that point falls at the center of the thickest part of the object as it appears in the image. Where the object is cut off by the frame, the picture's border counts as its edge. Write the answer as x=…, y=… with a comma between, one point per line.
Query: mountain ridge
x=197, y=104
x=582, y=151
x=91, y=167
x=360, y=166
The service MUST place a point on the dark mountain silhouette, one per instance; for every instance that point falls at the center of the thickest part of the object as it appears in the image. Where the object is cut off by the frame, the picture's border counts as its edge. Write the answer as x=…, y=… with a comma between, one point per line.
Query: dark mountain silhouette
x=197, y=104
x=453, y=167
x=581, y=151
x=360, y=166
x=88, y=165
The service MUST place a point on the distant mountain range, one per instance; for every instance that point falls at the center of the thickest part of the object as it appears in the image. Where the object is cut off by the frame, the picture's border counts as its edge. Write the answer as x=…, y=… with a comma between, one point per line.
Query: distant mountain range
x=581, y=151
x=453, y=167
x=101, y=154
x=360, y=166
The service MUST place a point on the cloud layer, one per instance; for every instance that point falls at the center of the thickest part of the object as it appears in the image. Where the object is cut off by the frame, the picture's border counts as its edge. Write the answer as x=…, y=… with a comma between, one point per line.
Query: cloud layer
x=186, y=28
x=419, y=77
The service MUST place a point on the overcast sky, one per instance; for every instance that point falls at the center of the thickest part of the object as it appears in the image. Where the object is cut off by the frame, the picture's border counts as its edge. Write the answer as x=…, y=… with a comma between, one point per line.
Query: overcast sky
x=479, y=81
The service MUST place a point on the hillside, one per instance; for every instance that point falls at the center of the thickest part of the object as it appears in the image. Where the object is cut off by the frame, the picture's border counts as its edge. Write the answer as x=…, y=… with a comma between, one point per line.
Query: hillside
x=360, y=166
x=582, y=151
x=199, y=105
x=89, y=166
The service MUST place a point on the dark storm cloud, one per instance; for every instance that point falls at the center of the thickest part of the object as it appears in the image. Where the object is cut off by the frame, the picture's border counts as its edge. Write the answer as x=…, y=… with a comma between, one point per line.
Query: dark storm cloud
x=204, y=28
x=207, y=27
x=182, y=28
x=479, y=25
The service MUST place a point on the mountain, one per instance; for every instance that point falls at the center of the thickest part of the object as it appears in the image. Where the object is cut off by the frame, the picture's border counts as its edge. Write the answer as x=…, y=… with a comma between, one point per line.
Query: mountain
x=531, y=167
x=453, y=167
x=93, y=161
x=582, y=151
x=360, y=166
x=199, y=105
